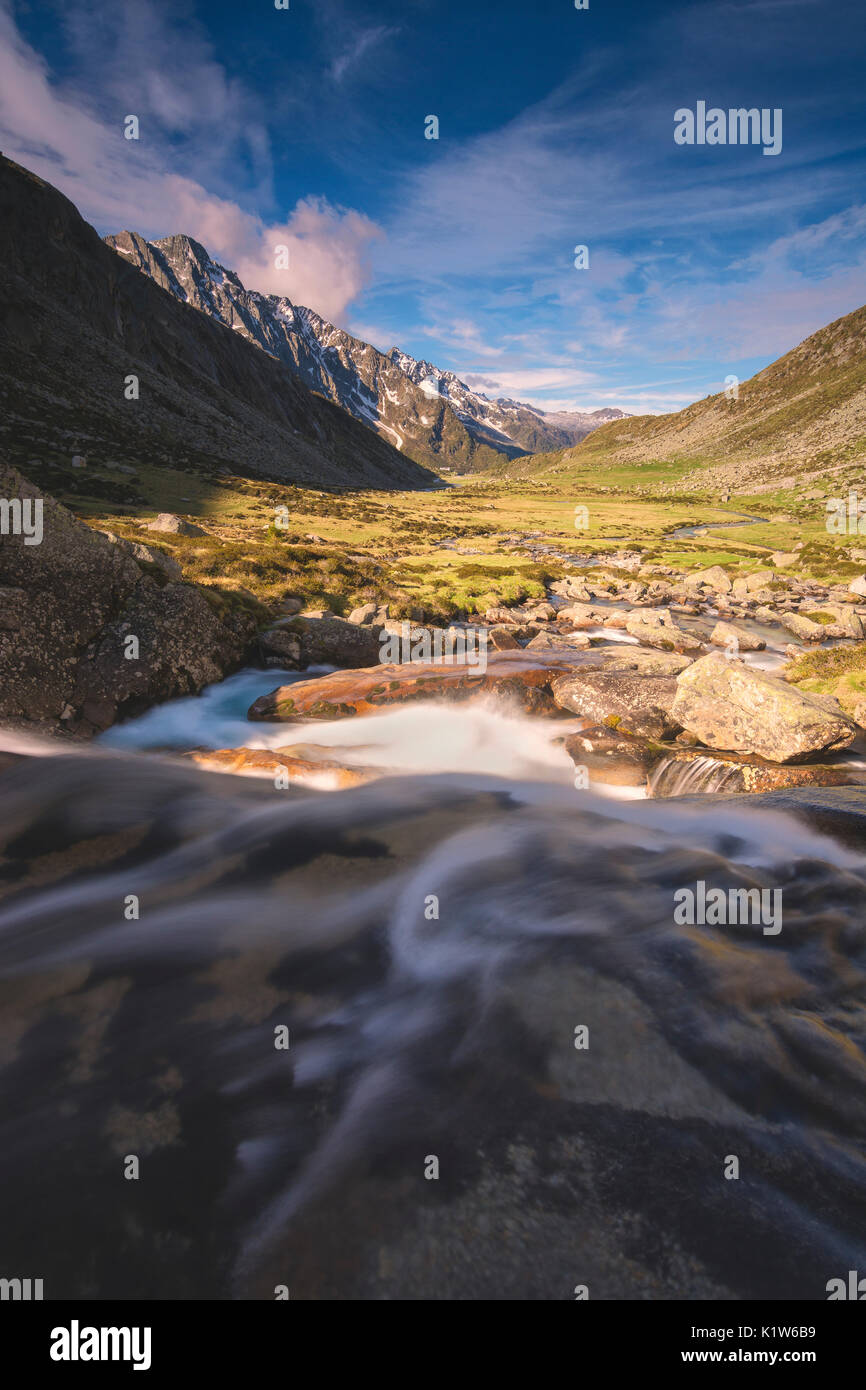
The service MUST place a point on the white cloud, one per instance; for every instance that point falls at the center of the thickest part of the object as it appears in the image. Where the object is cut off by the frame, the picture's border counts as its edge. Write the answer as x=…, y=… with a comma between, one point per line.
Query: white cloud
x=119, y=184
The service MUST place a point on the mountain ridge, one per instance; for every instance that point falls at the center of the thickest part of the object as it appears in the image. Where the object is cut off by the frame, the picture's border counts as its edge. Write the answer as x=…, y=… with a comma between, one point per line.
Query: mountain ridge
x=447, y=426
x=77, y=322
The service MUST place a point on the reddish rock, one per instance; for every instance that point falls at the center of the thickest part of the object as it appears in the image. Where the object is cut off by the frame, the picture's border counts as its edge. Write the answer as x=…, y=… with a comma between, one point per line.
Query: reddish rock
x=521, y=678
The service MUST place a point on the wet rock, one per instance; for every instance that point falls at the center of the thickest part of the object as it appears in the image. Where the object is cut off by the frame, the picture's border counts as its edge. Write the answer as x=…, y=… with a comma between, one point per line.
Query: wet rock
x=804, y=628
x=724, y=634
x=613, y=757
x=734, y=707
x=295, y=766
x=635, y=704
x=685, y=772
x=522, y=679
x=550, y=641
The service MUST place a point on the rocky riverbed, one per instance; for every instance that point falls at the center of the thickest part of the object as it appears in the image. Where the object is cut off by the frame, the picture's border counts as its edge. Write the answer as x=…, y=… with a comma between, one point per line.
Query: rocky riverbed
x=670, y=682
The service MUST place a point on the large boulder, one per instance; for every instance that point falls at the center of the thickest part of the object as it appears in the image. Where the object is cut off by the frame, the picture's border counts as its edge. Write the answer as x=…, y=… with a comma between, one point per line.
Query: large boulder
x=175, y=525
x=802, y=627
x=725, y=634
x=631, y=703
x=737, y=708
x=653, y=631
x=713, y=578
x=331, y=641
x=147, y=555
x=73, y=603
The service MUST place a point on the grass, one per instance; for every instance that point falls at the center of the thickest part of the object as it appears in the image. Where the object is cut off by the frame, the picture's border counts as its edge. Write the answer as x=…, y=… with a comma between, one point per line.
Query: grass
x=441, y=555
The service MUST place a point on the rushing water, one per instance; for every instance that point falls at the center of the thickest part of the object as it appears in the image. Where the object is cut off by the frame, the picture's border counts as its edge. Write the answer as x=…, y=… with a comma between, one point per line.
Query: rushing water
x=431, y=944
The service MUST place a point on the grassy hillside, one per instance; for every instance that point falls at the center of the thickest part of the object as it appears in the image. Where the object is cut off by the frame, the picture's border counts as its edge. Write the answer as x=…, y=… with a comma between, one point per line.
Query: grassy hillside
x=801, y=419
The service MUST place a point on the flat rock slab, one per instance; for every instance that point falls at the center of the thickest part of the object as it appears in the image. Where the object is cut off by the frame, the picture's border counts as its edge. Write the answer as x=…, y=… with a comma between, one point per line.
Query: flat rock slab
x=296, y=766
x=523, y=678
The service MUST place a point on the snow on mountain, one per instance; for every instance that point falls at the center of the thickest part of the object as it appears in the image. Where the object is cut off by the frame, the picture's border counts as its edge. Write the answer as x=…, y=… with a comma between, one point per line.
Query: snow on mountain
x=428, y=414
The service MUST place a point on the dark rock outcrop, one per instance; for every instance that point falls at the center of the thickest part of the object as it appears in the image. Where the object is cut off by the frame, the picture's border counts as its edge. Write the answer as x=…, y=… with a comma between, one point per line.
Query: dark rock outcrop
x=70, y=606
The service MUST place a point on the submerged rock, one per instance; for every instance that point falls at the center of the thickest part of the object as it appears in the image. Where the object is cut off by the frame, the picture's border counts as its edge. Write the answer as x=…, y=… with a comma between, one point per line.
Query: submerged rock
x=735, y=707
x=298, y=765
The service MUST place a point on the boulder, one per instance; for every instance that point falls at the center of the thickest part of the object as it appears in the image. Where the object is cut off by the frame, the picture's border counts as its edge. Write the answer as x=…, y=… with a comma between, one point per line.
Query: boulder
x=664, y=635
x=804, y=628
x=713, y=578
x=332, y=641
x=365, y=614
x=502, y=639
x=174, y=525
x=783, y=559
x=858, y=586
x=724, y=634
x=737, y=708
x=147, y=555
x=541, y=613
x=550, y=641
x=627, y=702
x=759, y=580
x=612, y=757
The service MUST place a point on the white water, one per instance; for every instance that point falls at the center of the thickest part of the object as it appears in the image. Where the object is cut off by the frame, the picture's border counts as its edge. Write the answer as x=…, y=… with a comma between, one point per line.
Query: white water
x=424, y=738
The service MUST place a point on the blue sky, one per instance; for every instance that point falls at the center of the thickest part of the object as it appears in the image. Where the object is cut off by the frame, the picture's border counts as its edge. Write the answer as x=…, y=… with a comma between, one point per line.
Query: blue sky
x=305, y=127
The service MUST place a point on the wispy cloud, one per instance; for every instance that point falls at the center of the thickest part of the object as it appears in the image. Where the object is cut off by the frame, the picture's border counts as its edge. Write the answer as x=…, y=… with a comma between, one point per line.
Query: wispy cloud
x=360, y=44
x=183, y=101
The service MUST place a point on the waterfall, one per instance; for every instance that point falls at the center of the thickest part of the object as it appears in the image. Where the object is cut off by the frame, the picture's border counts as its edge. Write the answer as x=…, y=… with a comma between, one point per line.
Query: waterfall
x=677, y=777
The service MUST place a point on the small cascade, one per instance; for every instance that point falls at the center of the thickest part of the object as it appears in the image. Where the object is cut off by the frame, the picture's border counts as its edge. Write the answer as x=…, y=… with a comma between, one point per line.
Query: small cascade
x=677, y=777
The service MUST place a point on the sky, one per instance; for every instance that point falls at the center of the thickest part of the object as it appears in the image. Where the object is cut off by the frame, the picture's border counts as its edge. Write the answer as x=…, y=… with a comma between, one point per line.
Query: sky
x=305, y=127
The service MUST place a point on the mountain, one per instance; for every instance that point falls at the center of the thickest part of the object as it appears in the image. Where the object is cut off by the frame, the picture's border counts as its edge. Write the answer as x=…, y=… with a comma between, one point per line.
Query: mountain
x=429, y=414
x=510, y=427
x=351, y=373
x=76, y=321
x=802, y=417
